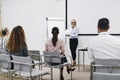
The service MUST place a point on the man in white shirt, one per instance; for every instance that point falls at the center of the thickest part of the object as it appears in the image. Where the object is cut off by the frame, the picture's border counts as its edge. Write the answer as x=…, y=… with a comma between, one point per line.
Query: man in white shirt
x=104, y=46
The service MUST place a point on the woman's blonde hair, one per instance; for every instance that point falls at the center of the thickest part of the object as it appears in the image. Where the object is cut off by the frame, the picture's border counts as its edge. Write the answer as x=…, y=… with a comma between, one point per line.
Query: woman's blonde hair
x=17, y=39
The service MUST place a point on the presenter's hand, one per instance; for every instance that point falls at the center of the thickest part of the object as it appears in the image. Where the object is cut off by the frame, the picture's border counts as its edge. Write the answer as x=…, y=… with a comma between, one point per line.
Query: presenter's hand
x=67, y=35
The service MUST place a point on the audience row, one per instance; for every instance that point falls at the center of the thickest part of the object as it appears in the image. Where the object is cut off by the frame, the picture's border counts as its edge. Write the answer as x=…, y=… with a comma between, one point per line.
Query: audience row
x=103, y=46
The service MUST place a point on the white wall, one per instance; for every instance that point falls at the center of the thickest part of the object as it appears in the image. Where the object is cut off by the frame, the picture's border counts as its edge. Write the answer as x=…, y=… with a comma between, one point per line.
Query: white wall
x=31, y=14
x=83, y=43
x=87, y=13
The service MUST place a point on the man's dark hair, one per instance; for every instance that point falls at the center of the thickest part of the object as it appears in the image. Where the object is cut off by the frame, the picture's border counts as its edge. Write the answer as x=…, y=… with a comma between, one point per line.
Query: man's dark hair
x=103, y=24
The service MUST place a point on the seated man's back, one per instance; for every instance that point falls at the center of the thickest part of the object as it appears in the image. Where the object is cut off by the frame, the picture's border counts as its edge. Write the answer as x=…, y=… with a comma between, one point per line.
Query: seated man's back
x=104, y=46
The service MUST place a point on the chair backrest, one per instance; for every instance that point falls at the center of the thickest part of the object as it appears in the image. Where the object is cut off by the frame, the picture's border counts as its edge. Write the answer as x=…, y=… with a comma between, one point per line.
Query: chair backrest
x=52, y=57
x=34, y=54
x=3, y=51
x=107, y=61
x=106, y=69
x=19, y=63
x=4, y=58
x=111, y=65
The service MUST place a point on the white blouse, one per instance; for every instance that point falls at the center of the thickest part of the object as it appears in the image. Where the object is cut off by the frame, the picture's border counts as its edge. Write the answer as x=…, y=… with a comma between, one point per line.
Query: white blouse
x=74, y=32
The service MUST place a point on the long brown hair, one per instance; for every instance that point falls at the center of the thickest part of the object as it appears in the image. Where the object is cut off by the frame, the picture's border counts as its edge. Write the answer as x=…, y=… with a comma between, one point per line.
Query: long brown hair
x=17, y=39
x=55, y=32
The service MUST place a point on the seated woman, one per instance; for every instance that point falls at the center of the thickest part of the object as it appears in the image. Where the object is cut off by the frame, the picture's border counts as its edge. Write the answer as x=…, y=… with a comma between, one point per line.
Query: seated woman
x=16, y=44
x=4, y=34
x=56, y=44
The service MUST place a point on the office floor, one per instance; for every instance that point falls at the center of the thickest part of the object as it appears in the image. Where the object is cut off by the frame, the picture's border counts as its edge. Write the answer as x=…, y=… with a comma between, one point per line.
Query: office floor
x=81, y=75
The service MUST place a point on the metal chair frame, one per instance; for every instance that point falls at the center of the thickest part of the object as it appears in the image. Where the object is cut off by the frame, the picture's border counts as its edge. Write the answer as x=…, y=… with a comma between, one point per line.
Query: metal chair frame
x=106, y=64
x=59, y=65
x=20, y=70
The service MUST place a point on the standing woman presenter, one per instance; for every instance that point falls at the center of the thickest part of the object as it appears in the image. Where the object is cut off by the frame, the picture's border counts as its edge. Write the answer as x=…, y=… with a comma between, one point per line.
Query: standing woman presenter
x=74, y=31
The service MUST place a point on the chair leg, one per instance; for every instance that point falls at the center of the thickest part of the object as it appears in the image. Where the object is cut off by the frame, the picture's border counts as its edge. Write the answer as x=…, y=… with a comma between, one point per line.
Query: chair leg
x=71, y=74
x=51, y=73
x=10, y=76
x=60, y=74
x=39, y=77
x=91, y=72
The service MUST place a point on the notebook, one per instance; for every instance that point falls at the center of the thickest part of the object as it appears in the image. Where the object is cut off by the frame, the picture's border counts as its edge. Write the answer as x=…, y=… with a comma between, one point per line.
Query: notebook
x=34, y=54
x=52, y=57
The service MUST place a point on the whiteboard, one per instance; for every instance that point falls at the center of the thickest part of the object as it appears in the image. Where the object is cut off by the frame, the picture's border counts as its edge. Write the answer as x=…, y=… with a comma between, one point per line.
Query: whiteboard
x=56, y=22
x=88, y=12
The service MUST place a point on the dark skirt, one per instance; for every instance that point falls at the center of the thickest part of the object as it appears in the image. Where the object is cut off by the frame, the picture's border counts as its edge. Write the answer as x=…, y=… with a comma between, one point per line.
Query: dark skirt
x=63, y=60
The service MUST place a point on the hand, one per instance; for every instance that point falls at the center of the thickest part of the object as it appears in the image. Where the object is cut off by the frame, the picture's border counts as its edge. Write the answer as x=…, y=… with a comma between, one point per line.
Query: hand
x=62, y=53
x=67, y=35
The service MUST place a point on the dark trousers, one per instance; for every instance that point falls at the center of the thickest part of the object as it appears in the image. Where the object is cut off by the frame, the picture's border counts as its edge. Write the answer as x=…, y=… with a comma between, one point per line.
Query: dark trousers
x=73, y=47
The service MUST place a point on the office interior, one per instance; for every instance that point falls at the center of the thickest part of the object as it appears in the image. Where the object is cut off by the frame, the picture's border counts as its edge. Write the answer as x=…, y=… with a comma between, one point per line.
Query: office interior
x=33, y=16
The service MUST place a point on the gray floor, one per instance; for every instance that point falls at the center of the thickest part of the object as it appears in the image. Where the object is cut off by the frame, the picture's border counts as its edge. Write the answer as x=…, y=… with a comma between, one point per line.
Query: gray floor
x=81, y=75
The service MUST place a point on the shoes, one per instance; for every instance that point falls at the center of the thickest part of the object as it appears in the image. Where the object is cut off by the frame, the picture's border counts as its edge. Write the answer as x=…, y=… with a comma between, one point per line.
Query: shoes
x=61, y=77
x=68, y=70
x=74, y=64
